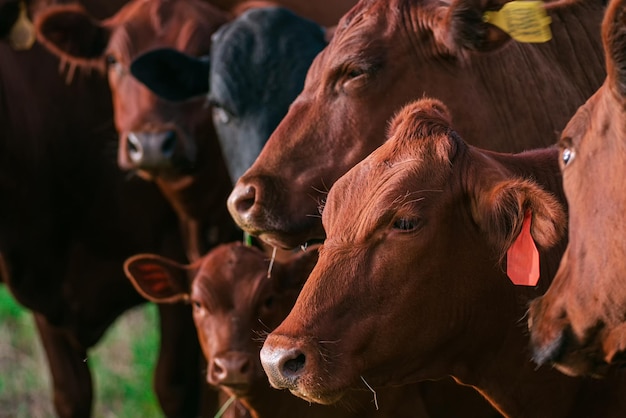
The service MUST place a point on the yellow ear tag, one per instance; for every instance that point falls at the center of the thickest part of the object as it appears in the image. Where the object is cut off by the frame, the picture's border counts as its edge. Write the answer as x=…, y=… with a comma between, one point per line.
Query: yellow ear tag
x=22, y=35
x=524, y=21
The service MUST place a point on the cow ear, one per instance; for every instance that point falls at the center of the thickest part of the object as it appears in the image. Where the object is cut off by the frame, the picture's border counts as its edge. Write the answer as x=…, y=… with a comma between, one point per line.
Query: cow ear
x=296, y=270
x=171, y=74
x=614, y=38
x=500, y=213
x=158, y=279
x=461, y=27
x=69, y=32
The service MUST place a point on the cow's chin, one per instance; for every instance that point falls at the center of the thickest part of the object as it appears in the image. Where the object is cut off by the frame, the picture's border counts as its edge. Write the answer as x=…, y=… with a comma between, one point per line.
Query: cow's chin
x=288, y=240
x=318, y=395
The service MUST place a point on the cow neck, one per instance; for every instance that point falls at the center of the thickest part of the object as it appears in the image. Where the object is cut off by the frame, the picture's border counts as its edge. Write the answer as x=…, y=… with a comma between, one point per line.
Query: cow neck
x=501, y=368
x=524, y=391
x=393, y=402
x=199, y=201
x=572, y=57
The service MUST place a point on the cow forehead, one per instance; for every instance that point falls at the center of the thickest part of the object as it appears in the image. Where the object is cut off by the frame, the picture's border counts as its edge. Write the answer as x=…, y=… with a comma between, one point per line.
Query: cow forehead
x=393, y=181
x=229, y=272
x=142, y=25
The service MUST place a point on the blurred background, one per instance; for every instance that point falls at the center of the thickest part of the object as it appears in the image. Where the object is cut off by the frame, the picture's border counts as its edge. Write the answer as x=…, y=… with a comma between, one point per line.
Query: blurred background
x=122, y=365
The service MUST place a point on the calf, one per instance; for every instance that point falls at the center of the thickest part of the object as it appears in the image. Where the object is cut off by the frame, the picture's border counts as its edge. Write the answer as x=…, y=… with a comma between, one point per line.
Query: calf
x=503, y=95
x=238, y=296
x=256, y=68
x=579, y=323
x=412, y=282
x=173, y=144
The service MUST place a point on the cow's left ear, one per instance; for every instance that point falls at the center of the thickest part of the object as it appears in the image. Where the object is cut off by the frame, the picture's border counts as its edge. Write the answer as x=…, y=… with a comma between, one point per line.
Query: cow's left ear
x=159, y=279
x=614, y=39
x=69, y=32
x=500, y=213
x=171, y=74
x=461, y=26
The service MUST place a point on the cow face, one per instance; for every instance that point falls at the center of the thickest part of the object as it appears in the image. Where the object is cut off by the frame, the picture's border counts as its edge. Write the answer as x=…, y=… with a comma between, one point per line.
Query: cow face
x=156, y=137
x=385, y=54
x=257, y=67
x=579, y=323
x=409, y=278
x=234, y=301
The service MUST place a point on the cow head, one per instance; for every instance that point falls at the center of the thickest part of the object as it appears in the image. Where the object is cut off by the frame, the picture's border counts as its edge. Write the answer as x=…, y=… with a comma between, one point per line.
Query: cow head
x=256, y=68
x=579, y=323
x=383, y=55
x=156, y=136
x=234, y=301
x=409, y=282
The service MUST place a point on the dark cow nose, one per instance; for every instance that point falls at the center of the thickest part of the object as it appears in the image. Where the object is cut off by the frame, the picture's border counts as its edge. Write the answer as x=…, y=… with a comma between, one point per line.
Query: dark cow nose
x=283, y=366
x=242, y=199
x=231, y=369
x=151, y=149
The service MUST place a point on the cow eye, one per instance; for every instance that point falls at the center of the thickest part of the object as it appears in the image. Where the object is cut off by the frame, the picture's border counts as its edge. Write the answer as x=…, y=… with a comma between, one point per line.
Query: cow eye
x=354, y=78
x=567, y=155
x=405, y=224
x=221, y=115
x=110, y=59
x=269, y=302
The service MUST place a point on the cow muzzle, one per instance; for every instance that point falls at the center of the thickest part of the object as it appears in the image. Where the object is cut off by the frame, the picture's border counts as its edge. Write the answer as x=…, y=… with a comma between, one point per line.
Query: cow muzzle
x=151, y=150
x=233, y=370
x=300, y=368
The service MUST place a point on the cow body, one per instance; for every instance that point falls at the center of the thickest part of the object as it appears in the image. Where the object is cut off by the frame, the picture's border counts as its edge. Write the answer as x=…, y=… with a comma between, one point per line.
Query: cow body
x=579, y=322
x=172, y=143
x=69, y=218
x=237, y=299
x=412, y=282
x=503, y=96
x=256, y=68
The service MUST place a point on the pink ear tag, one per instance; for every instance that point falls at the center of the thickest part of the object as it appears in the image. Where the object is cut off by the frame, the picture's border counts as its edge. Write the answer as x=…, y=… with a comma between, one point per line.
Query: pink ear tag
x=522, y=259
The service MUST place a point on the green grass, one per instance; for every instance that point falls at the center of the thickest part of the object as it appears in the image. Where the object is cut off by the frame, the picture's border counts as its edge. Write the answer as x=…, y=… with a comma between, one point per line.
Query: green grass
x=122, y=366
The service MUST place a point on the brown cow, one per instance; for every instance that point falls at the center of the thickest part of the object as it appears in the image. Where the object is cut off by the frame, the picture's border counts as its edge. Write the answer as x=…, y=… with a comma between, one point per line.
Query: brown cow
x=69, y=218
x=579, y=323
x=503, y=95
x=236, y=304
x=173, y=143
x=411, y=281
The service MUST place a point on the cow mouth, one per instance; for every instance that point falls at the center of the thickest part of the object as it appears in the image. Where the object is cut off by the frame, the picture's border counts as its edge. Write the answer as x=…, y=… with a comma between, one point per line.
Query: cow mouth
x=571, y=356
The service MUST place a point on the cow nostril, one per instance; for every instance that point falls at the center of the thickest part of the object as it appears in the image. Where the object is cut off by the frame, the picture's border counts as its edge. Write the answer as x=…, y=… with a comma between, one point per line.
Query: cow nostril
x=169, y=144
x=243, y=198
x=133, y=146
x=293, y=366
x=245, y=367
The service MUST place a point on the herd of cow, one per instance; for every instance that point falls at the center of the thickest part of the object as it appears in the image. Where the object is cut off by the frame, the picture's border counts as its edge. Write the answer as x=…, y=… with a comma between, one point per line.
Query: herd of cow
x=420, y=247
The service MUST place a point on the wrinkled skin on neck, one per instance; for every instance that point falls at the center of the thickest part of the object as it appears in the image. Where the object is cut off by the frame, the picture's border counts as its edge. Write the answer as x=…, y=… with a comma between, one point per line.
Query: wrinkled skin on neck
x=502, y=95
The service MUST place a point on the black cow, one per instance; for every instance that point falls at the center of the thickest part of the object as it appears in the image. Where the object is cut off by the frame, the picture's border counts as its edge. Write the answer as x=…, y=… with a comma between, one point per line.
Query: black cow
x=256, y=68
